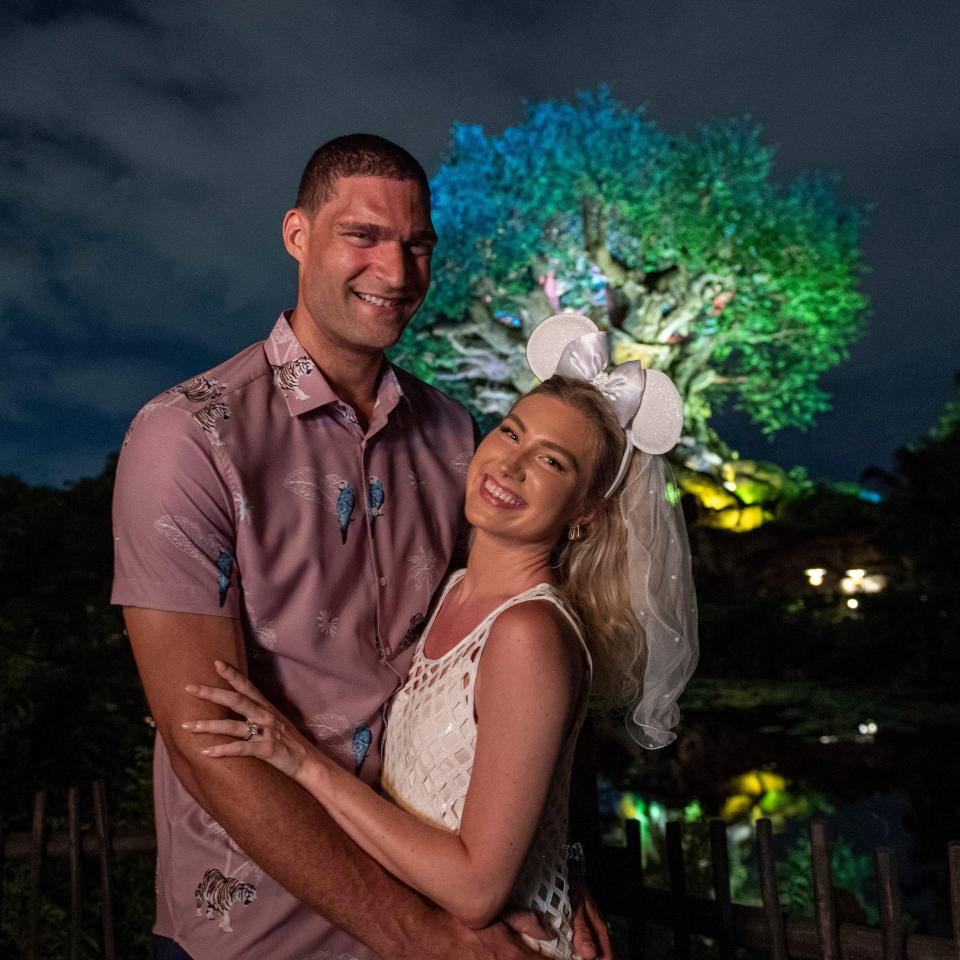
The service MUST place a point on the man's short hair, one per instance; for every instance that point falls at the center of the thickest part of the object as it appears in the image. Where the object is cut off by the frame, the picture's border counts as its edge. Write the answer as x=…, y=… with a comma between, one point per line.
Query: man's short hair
x=355, y=155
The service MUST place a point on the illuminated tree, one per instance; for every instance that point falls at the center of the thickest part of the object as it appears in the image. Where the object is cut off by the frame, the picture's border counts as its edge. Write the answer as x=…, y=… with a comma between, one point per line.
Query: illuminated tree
x=683, y=248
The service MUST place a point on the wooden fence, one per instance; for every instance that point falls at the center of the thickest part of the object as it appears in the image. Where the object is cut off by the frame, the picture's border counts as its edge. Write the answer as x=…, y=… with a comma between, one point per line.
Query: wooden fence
x=616, y=877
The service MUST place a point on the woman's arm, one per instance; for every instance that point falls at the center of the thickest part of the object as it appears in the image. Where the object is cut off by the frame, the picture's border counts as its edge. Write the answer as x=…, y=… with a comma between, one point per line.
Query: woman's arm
x=526, y=689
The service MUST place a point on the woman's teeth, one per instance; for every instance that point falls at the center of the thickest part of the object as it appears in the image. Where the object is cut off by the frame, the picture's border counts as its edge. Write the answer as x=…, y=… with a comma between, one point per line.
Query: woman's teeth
x=501, y=494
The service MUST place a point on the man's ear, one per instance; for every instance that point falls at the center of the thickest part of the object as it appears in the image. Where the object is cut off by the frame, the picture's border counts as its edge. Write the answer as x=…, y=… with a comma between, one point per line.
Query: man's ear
x=296, y=229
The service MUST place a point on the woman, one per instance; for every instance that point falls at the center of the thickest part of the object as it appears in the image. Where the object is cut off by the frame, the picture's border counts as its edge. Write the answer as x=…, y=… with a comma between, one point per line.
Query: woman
x=577, y=581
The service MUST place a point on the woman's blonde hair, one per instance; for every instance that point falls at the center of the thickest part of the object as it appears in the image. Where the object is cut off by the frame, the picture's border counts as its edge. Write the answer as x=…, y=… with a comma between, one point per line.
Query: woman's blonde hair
x=592, y=572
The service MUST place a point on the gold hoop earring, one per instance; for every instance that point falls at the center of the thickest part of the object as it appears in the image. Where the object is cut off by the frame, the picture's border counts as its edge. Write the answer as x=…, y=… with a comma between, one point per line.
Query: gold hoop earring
x=574, y=533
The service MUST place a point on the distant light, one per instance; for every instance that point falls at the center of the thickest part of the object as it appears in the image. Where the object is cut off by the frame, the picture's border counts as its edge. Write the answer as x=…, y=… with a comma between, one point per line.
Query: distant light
x=815, y=576
x=859, y=581
x=853, y=603
x=868, y=728
x=828, y=738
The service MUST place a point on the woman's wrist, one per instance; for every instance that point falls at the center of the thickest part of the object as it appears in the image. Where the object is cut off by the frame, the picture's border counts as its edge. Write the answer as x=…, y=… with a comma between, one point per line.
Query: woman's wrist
x=313, y=774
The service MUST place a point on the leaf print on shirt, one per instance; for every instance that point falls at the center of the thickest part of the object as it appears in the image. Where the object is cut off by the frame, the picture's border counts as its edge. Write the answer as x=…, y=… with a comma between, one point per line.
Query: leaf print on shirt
x=327, y=624
x=142, y=414
x=461, y=464
x=244, y=510
x=208, y=416
x=186, y=535
x=422, y=565
x=287, y=375
x=265, y=634
x=305, y=483
x=335, y=733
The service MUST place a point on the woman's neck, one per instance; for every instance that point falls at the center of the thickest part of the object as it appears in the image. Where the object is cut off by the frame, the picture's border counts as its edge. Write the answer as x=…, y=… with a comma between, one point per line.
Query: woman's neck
x=498, y=569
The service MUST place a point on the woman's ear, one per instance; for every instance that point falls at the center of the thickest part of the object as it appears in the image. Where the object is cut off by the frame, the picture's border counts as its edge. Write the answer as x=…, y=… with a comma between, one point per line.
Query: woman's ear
x=587, y=517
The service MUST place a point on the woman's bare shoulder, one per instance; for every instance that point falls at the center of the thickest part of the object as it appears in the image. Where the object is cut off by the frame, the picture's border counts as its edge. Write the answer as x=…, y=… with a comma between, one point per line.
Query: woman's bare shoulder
x=535, y=633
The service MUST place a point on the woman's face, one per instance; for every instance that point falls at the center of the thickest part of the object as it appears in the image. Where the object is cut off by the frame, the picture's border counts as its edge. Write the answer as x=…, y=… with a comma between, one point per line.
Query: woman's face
x=529, y=477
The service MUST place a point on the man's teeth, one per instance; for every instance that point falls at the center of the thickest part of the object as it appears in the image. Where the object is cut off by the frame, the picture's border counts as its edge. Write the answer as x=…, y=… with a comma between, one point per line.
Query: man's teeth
x=376, y=301
x=502, y=494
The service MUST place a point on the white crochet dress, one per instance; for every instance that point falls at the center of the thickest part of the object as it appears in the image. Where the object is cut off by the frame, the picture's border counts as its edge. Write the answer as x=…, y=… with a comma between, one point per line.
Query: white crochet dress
x=428, y=758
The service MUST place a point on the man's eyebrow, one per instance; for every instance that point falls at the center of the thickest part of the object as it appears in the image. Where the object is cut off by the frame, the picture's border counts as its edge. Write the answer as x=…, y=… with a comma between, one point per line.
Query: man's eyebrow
x=370, y=228
x=375, y=230
x=549, y=444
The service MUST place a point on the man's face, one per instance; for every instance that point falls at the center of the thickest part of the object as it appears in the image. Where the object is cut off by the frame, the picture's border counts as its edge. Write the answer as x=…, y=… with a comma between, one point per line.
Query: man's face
x=364, y=263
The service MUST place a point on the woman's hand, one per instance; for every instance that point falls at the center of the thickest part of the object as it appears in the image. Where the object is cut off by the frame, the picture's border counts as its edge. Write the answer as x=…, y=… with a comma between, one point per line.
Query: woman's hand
x=264, y=733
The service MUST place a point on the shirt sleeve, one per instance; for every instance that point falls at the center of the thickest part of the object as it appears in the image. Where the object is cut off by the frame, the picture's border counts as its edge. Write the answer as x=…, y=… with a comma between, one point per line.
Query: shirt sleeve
x=174, y=530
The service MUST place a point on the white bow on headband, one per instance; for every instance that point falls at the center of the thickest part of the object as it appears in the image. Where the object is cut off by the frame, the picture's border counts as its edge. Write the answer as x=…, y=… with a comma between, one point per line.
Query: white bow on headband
x=647, y=404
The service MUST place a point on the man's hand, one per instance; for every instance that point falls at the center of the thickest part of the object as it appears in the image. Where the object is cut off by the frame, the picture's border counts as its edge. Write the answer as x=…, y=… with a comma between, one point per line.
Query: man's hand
x=590, y=937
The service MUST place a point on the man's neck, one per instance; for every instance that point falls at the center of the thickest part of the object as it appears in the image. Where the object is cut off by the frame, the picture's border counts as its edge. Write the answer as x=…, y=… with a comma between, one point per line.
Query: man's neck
x=351, y=373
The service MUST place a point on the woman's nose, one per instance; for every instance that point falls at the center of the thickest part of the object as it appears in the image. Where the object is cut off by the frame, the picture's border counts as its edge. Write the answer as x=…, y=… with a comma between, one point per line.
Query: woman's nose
x=513, y=465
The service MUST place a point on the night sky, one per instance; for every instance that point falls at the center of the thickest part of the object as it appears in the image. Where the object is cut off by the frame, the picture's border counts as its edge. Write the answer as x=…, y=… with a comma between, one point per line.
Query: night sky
x=149, y=151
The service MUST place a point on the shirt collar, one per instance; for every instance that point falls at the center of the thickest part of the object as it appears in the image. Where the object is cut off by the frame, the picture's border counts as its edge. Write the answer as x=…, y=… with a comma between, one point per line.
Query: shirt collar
x=303, y=385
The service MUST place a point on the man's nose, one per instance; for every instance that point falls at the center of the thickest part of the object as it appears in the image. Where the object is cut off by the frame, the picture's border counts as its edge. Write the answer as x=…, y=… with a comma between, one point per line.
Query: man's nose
x=392, y=265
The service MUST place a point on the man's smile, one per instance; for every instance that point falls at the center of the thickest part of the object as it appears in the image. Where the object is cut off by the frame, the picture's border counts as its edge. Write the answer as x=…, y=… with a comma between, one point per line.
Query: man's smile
x=387, y=302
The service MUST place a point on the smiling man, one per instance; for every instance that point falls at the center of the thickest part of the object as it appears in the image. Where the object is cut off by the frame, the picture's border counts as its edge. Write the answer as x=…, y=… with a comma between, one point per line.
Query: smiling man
x=292, y=511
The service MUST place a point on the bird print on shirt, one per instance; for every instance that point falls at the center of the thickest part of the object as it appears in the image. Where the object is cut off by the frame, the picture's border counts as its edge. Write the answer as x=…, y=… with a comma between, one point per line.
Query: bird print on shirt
x=374, y=500
x=362, y=738
x=224, y=569
x=332, y=490
x=345, y=504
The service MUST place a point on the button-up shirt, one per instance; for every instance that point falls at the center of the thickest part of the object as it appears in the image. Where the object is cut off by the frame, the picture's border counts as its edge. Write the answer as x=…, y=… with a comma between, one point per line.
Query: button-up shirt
x=252, y=492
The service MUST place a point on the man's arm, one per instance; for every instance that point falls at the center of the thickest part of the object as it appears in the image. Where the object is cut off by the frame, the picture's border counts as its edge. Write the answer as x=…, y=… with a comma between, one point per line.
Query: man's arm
x=310, y=856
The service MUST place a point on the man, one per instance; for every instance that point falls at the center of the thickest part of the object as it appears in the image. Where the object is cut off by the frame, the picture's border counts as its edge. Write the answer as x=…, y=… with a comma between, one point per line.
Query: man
x=292, y=511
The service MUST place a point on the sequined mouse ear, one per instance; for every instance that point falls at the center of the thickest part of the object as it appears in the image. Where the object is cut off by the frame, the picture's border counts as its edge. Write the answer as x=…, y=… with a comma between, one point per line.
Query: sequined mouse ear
x=549, y=340
x=658, y=423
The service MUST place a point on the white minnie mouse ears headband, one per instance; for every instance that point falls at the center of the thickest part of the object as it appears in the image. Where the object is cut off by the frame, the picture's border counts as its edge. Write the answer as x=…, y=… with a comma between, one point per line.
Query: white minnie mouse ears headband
x=647, y=404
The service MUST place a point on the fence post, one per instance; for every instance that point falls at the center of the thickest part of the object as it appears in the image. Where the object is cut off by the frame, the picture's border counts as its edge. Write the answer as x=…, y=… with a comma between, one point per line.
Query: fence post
x=74, y=854
x=103, y=837
x=720, y=856
x=636, y=918
x=953, y=852
x=678, y=889
x=770, y=891
x=823, y=891
x=38, y=842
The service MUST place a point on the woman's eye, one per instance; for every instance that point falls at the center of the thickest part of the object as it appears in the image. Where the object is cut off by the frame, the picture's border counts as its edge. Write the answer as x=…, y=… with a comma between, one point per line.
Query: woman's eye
x=556, y=464
x=510, y=433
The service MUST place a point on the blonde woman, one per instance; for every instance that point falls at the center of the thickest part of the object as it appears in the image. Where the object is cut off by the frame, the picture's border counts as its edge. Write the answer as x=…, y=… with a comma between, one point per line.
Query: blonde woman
x=577, y=588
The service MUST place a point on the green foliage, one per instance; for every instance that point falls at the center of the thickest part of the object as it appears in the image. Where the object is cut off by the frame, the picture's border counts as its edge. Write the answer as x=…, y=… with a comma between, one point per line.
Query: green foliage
x=684, y=247
x=71, y=706
x=70, y=700
x=852, y=873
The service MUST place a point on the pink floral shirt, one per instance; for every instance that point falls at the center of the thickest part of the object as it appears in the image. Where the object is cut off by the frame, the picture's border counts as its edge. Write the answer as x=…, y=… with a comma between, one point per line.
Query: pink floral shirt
x=252, y=492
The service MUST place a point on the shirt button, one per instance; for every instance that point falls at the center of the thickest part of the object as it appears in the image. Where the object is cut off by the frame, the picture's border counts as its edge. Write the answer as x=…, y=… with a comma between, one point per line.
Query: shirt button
x=383, y=581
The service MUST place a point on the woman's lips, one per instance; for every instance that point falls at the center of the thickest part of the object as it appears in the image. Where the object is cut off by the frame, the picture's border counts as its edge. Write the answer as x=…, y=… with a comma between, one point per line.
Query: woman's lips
x=498, y=495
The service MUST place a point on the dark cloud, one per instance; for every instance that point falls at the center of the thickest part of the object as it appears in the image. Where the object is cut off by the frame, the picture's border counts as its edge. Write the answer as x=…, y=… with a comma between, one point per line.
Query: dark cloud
x=149, y=150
